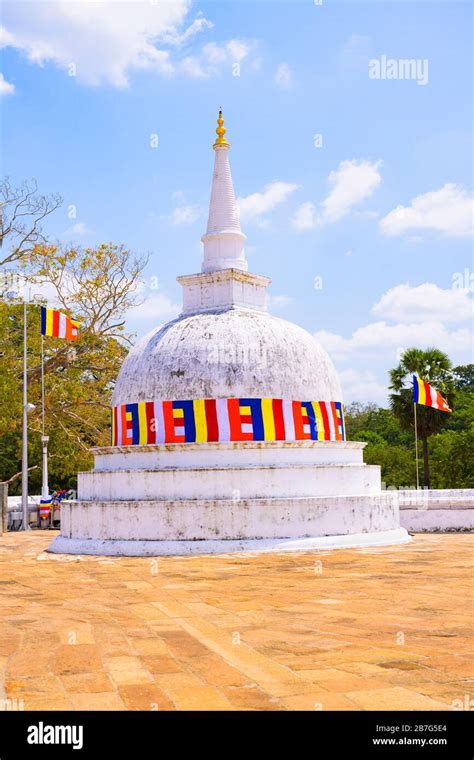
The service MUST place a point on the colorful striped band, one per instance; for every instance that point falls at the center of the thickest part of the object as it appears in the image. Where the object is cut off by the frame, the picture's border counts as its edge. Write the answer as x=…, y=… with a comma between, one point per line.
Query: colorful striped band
x=224, y=420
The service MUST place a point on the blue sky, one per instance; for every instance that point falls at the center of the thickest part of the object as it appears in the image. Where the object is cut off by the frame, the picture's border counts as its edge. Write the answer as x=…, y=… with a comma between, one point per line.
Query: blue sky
x=388, y=279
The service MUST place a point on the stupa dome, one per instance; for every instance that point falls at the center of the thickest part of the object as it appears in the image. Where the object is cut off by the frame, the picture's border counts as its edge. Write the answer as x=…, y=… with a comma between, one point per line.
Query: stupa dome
x=225, y=353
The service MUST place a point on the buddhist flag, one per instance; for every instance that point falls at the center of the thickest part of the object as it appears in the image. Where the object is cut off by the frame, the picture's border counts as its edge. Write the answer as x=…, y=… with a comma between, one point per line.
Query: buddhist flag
x=425, y=394
x=45, y=508
x=56, y=324
x=245, y=419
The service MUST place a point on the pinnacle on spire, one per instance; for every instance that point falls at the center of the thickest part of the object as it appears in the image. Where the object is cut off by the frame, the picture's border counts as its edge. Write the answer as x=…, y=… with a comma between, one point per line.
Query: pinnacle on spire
x=221, y=142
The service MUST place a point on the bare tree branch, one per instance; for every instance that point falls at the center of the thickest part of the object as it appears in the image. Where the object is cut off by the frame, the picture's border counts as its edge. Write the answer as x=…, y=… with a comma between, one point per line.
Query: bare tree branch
x=22, y=209
x=17, y=476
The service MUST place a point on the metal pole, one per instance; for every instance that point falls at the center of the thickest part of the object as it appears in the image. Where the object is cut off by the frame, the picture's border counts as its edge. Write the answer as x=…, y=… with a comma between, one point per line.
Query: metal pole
x=42, y=384
x=416, y=450
x=24, y=451
x=44, y=438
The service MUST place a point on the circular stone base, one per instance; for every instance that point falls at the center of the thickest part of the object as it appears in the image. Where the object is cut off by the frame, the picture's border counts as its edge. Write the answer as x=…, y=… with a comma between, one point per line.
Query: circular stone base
x=113, y=548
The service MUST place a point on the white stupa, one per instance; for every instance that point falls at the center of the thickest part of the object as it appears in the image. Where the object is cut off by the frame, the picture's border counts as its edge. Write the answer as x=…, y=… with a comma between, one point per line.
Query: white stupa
x=227, y=428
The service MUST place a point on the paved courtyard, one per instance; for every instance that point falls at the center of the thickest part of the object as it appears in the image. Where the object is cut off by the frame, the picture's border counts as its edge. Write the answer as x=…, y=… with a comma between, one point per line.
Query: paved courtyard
x=348, y=630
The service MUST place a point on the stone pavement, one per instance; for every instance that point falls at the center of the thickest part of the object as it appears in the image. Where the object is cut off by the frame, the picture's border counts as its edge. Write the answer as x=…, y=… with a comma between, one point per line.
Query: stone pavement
x=386, y=628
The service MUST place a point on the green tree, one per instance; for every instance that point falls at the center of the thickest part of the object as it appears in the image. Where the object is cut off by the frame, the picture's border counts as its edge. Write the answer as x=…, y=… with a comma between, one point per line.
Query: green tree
x=396, y=462
x=365, y=417
x=99, y=285
x=464, y=377
x=433, y=366
x=452, y=453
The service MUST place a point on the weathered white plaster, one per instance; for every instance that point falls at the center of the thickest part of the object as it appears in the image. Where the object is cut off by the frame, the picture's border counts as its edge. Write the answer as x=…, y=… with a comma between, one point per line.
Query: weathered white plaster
x=63, y=545
x=209, y=491
x=227, y=353
x=437, y=520
x=230, y=519
x=224, y=289
x=248, y=481
x=427, y=511
x=227, y=454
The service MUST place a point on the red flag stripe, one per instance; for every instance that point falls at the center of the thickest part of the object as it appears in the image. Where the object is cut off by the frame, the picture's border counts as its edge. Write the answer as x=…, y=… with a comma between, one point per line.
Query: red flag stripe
x=429, y=401
x=279, y=420
x=55, y=324
x=150, y=422
x=337, y=424
x=211, y=420
x=327, y=430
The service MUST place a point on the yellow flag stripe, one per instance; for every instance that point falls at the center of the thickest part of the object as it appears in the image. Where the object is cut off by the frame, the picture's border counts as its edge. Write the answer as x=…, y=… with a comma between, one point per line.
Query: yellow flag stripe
x=200, y=419
x=319, y=420
x=421, y=391
x=268, y=419
x=142, y=422
x=49, y=322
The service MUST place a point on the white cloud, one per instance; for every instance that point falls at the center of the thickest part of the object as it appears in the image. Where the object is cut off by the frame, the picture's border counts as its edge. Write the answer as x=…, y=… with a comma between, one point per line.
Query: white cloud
x=77, y=229
x=283, y=76
x=380, y=339
x=155, y=307
x=185, y=214
x=367, y=214
x=179, y=196
x=352, y=182
x=6, y=88
x=305, y=216
x=103, y=42
x=279, y=302
x=362, y=385
x=191, y=66
x=233, y=51
x=254, y=206
x=43, y=290
x=216, y=57
x=426, y=302
x=355, y=53
x=448, y=211
x=420, y=316
x=198, y=25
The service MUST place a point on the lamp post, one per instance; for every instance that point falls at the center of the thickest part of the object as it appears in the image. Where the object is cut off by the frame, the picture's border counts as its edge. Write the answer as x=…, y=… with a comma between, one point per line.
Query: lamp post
x=25, y=524
x=44, y=485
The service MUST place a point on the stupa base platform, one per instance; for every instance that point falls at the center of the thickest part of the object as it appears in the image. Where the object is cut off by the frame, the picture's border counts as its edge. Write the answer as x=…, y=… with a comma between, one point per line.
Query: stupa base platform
x=135, y=528
x=111, y=548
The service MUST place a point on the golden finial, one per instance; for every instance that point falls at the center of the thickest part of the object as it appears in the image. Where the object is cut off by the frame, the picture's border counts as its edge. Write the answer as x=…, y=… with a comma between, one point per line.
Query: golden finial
x=220, y=131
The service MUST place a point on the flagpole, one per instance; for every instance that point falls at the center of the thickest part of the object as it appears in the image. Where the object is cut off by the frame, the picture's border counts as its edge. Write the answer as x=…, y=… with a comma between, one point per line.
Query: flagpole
x=44, y=438
x=42, y=384
x=416, y=449
x=24, y=448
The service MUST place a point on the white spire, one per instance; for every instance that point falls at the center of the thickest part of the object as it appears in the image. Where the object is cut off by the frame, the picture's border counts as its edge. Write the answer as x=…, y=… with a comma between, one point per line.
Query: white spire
x=224, y=240
x=224, y=282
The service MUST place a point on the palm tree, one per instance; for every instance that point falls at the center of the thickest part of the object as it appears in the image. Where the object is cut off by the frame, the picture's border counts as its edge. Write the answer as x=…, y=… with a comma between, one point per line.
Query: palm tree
x=431, y=365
